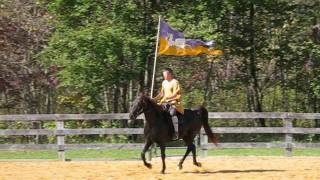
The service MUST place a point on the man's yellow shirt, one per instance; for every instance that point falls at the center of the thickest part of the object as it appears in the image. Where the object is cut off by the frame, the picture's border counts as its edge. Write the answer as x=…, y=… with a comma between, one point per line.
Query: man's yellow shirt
x=169, y=88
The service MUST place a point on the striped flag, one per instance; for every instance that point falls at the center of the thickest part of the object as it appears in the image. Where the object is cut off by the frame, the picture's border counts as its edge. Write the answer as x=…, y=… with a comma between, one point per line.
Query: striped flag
x=173, y=42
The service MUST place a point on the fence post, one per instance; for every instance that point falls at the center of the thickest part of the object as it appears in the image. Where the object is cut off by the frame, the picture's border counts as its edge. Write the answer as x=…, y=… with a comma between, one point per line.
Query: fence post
x=203, y=144
x=288, y=137
x=60, y=140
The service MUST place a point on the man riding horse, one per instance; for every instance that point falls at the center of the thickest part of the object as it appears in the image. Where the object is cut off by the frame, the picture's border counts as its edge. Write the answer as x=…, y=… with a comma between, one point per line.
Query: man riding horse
x=170, y=98
x=158, y=127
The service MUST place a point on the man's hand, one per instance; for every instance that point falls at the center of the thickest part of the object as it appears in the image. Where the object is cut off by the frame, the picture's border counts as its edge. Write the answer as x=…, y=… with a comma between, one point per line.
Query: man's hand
x=154, y=99
x=158, y=97
x=166, y=100
x=171, y=101
x=162, y=101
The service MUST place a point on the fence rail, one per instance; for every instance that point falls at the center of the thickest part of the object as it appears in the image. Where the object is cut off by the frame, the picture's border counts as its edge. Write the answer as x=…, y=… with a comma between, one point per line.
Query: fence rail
x=60, y=132
x=212, y=115
x=128, y=131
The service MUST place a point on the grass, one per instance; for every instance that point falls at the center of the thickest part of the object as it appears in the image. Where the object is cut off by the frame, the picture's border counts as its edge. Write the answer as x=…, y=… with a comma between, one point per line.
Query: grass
x=135, y=154
x=262, y=152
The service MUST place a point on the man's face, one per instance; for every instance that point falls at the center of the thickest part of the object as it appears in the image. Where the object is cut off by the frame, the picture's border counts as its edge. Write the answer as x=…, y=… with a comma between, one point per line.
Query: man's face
x=167, y=75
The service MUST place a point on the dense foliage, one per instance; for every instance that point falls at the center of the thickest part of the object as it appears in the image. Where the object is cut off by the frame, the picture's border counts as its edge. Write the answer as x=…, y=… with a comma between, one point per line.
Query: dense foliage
x=84, y=56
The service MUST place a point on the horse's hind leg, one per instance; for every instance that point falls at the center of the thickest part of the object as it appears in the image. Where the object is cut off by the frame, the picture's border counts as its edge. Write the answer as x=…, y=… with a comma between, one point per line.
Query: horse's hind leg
x=143, y=154
x=193, y=149
x=184, y=157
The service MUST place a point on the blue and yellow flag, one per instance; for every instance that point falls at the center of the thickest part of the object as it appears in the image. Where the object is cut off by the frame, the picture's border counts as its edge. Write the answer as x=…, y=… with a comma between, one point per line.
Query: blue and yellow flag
x=172, y=42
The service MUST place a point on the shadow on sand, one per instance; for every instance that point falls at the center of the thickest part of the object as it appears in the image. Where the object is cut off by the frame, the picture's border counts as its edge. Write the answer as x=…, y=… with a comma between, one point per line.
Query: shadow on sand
x=234, y=171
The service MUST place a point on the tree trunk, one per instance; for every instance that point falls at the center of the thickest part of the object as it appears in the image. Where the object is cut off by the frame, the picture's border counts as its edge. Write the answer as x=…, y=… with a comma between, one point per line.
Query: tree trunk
x=207, y=84
x=147, y=16
x=116, y=98
x=105, y=99
x=252, y=66
x=124, y=105
x=285, y=98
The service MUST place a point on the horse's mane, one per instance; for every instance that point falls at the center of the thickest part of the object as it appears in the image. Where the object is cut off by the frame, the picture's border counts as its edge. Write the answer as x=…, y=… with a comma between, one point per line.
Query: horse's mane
x=164, y=116
x=153, y=103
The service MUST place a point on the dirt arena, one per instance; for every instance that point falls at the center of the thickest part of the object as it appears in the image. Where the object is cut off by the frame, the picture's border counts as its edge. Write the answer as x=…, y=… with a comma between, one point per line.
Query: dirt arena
x=212, y=168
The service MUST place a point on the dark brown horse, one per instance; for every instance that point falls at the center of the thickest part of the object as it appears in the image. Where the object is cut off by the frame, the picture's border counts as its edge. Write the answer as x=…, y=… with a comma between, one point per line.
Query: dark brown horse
x=159, y=128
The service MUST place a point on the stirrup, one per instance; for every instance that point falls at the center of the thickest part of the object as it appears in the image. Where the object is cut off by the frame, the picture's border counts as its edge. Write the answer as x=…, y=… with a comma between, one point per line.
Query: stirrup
x=175, y=137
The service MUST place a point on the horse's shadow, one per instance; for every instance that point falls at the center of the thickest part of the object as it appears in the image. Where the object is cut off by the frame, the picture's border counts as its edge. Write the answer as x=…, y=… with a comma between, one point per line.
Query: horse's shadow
x=233, y=171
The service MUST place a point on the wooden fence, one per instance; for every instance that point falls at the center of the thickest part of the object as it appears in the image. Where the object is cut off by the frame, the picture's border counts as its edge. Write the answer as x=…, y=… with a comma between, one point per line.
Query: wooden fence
x=60, y=132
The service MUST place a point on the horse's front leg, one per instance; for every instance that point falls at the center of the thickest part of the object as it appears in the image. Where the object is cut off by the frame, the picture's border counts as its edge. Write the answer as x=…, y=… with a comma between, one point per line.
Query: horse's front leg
x=143, y=154
x=163, y=157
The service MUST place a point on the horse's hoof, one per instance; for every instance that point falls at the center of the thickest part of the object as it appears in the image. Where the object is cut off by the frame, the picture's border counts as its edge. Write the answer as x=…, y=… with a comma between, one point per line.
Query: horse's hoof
x=179, y=167
x=197, y=164
x=148, y=165
x=162, y=172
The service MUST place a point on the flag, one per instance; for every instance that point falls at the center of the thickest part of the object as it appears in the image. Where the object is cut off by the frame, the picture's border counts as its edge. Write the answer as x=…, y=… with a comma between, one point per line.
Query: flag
x=172, y=42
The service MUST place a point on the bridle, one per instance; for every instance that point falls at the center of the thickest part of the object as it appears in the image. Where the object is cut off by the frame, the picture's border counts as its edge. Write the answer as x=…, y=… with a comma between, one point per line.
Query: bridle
x=143, y=110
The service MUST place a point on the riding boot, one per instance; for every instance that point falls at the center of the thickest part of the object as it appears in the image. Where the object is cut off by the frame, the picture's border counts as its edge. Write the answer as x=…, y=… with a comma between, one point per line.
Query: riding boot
x=176, y=127
x=180, y=125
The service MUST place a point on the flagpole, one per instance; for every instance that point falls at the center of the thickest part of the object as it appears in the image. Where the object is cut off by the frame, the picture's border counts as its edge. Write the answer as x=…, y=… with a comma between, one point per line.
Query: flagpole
x=155, y=58
x=153, y=79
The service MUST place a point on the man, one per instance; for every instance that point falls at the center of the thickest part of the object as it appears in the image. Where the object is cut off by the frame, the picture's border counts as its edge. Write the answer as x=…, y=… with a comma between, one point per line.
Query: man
x=170, y=97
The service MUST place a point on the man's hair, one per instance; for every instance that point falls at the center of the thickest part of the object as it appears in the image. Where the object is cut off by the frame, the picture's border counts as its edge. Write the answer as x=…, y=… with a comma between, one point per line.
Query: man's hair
x=168, y=70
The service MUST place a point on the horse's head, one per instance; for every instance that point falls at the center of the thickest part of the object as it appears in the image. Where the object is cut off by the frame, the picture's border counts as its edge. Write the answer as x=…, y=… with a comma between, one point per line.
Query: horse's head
x=139, y=105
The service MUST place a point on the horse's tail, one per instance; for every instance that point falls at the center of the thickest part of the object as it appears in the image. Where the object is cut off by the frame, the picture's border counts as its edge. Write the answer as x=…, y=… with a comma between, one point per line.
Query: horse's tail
x=204, y=118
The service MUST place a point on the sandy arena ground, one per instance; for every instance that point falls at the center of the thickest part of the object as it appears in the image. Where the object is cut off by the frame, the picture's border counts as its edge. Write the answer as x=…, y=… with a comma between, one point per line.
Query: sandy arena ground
x=212, y=168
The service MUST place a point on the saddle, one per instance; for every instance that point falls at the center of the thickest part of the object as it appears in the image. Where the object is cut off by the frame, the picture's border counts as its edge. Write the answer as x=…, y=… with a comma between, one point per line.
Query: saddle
x=182, y=118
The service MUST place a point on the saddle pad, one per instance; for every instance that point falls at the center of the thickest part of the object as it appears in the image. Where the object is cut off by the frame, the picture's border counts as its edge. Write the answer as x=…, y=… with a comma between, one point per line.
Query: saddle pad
x=188, y=115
